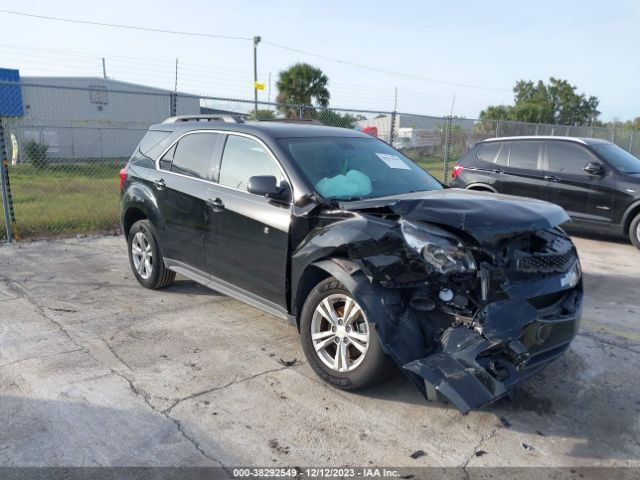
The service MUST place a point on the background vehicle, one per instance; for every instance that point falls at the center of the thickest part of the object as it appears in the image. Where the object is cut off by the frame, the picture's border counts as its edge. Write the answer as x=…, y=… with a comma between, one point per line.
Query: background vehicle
x=595, y=181
x=337, y=232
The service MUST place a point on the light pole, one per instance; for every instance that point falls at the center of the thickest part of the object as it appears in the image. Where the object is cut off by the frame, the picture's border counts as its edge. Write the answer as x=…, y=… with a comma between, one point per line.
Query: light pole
x=256, y=41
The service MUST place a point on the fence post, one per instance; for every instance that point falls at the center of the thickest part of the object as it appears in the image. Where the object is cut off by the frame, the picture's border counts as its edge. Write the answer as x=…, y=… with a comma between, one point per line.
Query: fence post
x=5, y=186
x=447, y=148
x=392, y=128
x=173, y=104
x=631, y=142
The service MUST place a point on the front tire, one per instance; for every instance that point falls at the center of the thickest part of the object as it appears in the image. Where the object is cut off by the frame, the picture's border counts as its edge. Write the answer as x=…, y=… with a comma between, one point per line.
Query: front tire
x=145, y=258
x=340, y=344
x=634, y=232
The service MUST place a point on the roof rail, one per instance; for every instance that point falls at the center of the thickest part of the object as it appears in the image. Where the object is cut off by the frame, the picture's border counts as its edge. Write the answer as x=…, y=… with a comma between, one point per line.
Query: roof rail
x=312, y=121
x=205, y=118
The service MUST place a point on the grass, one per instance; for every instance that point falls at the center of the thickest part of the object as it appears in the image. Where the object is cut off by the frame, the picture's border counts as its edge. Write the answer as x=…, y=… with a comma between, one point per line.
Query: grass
x=83, y=197
x=65, y=198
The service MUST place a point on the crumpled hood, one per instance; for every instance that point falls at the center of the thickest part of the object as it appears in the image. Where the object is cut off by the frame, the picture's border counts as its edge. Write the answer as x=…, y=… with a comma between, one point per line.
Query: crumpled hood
x=488, y=217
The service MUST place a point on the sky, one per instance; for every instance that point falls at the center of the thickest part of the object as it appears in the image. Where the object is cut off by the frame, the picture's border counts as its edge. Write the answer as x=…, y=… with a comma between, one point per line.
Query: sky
x=474, y=51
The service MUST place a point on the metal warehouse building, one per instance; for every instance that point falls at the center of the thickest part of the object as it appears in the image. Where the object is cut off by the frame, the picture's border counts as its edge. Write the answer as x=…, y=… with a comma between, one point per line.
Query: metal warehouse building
x=92, y=117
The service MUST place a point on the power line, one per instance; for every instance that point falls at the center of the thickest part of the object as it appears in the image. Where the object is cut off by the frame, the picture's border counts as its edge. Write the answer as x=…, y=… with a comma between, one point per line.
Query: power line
x=382, y=70
x=272, y=44
x=128, y=27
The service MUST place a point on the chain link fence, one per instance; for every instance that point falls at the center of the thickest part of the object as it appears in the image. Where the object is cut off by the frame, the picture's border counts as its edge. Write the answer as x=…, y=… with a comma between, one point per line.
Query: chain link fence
x=64, y=154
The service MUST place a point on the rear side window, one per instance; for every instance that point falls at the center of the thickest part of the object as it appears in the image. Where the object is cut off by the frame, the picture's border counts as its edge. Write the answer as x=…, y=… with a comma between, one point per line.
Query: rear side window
x=154, y=141
x=195, y=155
x=564, y=157
x=243, y=158
x=524, y=155
x=496, y=153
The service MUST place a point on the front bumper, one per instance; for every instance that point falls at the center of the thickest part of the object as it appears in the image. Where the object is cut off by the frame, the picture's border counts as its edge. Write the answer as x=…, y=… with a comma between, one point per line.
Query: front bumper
x=477, y=366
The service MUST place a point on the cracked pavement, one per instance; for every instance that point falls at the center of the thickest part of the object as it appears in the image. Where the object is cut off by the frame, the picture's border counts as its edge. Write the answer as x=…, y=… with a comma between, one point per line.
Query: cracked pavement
x=97, y=371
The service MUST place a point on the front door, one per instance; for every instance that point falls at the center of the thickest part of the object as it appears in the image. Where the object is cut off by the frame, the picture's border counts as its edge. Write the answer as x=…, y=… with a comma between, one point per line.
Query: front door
x=586, y=198
x=249, y=241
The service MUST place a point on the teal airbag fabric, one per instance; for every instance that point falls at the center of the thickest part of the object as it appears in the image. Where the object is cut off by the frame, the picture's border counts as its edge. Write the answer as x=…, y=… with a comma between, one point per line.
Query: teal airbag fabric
x=351, y=184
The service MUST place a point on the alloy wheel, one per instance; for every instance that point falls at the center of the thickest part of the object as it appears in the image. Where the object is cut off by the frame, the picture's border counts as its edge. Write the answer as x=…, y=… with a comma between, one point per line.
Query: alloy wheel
x=142, y=255
x=340, y=333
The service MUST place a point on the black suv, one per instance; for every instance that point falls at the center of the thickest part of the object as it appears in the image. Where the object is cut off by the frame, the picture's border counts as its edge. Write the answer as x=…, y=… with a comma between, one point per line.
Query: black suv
x=595, y=181
x=373, y=259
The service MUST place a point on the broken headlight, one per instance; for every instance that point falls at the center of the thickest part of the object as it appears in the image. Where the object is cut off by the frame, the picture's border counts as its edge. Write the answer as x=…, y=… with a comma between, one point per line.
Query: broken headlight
x=439, y=248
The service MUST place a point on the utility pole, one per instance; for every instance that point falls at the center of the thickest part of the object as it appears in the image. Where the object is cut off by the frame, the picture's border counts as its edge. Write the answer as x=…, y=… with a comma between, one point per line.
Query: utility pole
x=393, y=118
x=174, y=96
x=175, y=87
x=104, y=68
x=269, y=94
x=256, y=41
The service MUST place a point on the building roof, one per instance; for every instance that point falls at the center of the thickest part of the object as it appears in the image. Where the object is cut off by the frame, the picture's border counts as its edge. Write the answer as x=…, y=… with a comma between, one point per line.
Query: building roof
x=88, y=82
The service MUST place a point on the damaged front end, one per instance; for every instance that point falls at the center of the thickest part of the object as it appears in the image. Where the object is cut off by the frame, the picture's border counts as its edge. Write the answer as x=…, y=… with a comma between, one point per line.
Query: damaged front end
x=466, y=320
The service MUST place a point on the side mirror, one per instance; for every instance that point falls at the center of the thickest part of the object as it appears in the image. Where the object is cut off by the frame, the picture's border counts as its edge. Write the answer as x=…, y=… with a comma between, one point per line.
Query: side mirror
x=594, y=168
x=267, y=186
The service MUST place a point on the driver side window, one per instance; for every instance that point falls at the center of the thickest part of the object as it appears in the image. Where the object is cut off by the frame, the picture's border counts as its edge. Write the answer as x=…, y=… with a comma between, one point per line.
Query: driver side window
x=244, y=158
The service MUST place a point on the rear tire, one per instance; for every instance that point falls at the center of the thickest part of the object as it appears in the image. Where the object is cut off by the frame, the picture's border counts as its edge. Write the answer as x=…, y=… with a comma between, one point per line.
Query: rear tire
x=145, y=258
x=634, y=231
x=361, y=362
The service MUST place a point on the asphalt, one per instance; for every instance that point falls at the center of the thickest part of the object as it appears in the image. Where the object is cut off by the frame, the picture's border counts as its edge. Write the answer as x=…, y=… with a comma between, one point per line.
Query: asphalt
x=96, y=371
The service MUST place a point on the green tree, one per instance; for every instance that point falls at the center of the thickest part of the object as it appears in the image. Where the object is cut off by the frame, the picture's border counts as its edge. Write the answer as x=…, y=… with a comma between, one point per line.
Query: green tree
x=555, y=102
x=335, y=119
x=263, y=114
x=302, y=84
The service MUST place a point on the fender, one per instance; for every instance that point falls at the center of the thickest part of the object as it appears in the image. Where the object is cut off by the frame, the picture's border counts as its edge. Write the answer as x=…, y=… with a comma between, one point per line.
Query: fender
x=399, y=332
x=626, y=216
x=140, y=196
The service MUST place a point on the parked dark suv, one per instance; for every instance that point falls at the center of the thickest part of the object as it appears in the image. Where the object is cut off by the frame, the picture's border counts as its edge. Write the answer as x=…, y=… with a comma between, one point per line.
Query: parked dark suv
x=371, y=257
x=595, y=181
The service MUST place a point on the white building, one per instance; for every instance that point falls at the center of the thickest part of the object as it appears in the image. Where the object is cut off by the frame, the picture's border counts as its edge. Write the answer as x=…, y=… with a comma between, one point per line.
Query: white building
x=92, y=117
x=413, y=130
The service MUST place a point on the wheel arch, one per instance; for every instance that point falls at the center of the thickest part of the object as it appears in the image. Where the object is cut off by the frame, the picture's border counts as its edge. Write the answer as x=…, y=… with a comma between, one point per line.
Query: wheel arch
x=139, y=203
x=630, y=213
x=349, y=274
x=131, y=216
x=481, y=187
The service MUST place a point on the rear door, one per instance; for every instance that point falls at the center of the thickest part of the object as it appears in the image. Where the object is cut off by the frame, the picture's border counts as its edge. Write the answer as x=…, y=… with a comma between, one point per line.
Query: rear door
x=187, y=170
x=523, y=175
x=585, y=197
x=249, y=241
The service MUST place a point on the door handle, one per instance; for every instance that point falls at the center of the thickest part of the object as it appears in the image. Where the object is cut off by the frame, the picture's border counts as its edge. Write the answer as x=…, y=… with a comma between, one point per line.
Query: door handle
x=216, y=204
x=159, y=184
x=497, y=170
x=552, y=178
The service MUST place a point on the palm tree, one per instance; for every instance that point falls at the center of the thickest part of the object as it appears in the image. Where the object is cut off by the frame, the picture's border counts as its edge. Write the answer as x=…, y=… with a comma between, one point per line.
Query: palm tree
x=302, y=84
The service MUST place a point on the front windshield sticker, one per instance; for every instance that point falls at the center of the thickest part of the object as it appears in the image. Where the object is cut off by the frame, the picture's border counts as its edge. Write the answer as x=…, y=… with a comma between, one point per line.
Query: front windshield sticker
x=393, y=161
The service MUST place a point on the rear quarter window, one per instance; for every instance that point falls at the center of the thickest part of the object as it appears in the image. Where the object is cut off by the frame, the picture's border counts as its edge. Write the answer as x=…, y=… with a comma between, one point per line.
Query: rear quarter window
x=495, y=153
x=153, y=143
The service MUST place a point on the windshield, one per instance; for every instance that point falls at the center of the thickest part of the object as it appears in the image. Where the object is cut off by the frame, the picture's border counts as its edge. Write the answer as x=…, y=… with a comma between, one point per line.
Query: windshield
x=618, y=158
x=344, y=168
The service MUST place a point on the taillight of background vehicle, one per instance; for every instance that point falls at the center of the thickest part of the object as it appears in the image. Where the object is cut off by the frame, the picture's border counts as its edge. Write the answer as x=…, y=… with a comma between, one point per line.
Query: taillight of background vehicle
x=457, y=170
x=123, y=177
